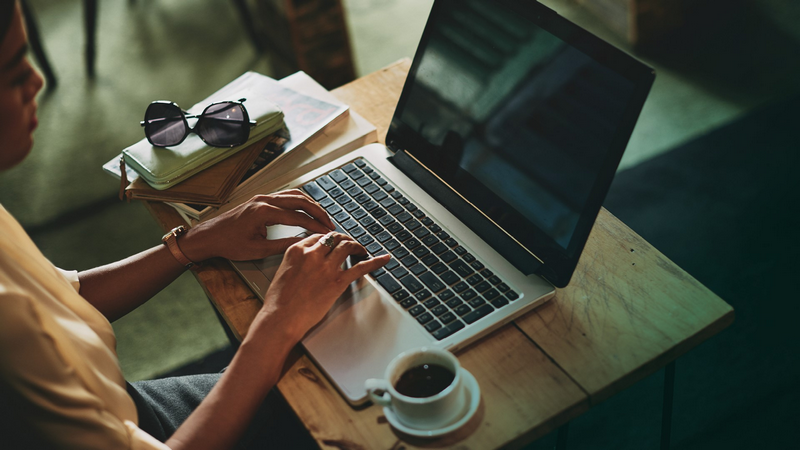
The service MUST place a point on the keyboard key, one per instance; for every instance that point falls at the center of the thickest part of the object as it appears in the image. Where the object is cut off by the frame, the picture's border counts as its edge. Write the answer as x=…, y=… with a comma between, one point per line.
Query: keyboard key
x=423, y=295
x=460, y=287
x=430, y=240
x=482, y=286
x=475, y=279
x=338, y=176
x=448, y=256
x=454, y=302
x=366, y=169
x=447, y=317
x=343, y=199
x=378, y=272
x=391, y=244
x=463, y=309
x=421, y=252
x=347, y=184
x=388, y=203
x=395, y=209
x=418, y=269
x=487, y=273
x=402, y=235
x=365, y=240
x=511, y=295
x=411, y=283
x=359, y=213
x=374, y=228
x=374, y=248
x=388, y=187
x=412, y=224
x=443, y=235
x=417, y=310
x=389, y=283
x=468, y=257
x=400, y=272
x=460, y=250
x=491, y=294
x=352, y=206
x=494, y=279
x=360, y=162
x=435, y=228
x=476, y=302
x=431, y=303
x=502, y=287
x=499, y=302
x=357, y=232
x=366, y=221
x=401, y=295
x=412, y=244
x=438, y=310
x=374, y=175
x=469, y=294
x=439, y=248
x=421, y=232
x=432, y=282
x=378, y=195
x=325, y=202
x=356, y=174
x=408, y=303
x=383, y=236
x=450, y=277
x=391, y=264
x=442, y=333
x=446, y=295
x=439, y=268
x=477, y=265
x=426, y=221
x=395, y=227
x=430, y=260
x=424, y=318
x=333, y=209
x=348, y=224
x=433, y=326
x=396, y=195
x=461, y=268
x=378, y=213
x=411, y=207
x=418, y=214
x=386, y=219
x=363, y=182
x=335, y=192
x=403, y=201
x=363, y=198
x=409, y=261
x=400, y=253
x=451, y=242
x=353, y=191
x=341, y=217
x=478, y=314
x=402, y=217
x=314, y=191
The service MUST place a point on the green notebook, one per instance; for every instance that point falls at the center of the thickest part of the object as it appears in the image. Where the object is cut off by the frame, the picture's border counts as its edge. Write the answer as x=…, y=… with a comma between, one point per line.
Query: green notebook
x=164, y=167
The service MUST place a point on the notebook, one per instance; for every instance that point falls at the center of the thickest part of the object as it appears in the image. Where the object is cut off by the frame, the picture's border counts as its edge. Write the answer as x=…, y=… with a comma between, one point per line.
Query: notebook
x=502, y=147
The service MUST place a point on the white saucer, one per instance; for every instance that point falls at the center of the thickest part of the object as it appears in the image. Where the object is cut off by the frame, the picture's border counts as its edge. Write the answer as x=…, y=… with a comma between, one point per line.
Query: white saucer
x=472, y=401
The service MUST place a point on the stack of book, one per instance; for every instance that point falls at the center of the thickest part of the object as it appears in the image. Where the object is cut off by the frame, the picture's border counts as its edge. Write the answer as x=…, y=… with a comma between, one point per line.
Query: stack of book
x=318, y=129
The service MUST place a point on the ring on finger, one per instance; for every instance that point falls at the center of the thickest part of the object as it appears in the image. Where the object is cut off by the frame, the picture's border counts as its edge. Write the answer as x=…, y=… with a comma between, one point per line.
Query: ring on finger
x=329, y=241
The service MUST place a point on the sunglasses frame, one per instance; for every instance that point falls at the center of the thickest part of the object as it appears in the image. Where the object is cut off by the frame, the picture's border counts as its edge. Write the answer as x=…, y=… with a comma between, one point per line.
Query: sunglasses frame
x=185, y=116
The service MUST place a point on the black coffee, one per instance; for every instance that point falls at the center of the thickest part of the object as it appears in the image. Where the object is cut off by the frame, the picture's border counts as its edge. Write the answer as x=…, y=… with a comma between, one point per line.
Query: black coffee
x=424, y=380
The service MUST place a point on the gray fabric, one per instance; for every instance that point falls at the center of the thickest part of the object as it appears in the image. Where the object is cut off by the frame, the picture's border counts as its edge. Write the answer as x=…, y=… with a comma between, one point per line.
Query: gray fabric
x=164, y=404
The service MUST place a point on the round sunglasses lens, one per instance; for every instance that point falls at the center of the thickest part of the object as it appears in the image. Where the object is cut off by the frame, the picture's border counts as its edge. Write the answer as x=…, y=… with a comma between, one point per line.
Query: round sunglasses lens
x=224, y=125
x=164, y=124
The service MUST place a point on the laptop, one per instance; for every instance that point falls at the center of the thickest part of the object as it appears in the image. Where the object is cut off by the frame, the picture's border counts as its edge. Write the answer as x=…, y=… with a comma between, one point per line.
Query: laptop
x=503, y=145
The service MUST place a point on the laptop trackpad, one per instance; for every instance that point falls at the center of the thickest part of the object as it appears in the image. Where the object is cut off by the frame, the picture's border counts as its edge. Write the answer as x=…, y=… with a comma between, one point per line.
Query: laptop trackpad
x=358, y=338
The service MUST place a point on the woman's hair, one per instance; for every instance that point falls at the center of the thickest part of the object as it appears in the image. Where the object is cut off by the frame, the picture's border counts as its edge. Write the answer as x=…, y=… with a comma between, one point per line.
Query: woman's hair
x=6, y=14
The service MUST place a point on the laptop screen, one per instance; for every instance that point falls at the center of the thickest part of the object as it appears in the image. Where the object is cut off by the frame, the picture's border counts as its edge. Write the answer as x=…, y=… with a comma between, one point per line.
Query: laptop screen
x=518, y=120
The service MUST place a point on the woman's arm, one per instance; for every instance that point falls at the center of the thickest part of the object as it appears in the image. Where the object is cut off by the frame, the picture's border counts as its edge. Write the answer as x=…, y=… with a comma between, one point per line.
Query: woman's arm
x=307, y=283
x=240, y=234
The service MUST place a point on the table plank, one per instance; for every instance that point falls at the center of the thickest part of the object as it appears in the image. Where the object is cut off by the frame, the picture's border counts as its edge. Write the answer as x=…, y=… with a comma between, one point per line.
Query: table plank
x=523, y=397
x=627, y=312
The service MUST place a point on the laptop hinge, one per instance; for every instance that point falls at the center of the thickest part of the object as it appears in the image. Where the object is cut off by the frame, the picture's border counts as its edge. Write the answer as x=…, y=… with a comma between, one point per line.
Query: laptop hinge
x=504, y=244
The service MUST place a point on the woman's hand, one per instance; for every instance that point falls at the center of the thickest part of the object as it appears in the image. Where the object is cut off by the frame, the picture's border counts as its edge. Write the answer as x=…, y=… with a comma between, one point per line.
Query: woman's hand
x=241, y=234
x=311, y=278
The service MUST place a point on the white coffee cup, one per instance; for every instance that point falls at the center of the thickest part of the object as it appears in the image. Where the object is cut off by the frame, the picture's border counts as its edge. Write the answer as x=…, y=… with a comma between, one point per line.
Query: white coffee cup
x=422, y=413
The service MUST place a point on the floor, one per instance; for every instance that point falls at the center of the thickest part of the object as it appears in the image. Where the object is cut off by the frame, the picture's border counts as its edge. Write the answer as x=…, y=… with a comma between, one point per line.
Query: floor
x=729, y=63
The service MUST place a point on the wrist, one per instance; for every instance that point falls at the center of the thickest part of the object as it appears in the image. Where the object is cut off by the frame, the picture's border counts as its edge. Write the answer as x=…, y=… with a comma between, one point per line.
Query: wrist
x=193, y=245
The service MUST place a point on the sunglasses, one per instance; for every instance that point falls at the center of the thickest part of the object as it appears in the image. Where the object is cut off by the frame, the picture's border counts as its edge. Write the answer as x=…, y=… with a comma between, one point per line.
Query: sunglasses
x=222, y=124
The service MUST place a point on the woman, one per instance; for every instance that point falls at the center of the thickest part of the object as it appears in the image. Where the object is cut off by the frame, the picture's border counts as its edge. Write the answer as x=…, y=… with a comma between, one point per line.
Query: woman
x=58, y=366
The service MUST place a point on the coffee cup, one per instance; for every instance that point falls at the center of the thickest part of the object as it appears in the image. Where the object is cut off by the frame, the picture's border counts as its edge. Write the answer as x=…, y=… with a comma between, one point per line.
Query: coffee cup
x=422, y=387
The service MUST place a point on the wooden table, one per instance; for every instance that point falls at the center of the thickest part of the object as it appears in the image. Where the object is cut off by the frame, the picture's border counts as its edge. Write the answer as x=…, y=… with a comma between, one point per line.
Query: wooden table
x=627, y=312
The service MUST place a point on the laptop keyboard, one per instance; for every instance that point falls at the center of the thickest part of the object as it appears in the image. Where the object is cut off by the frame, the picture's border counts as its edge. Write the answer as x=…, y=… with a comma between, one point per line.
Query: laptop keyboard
x=430, y=274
